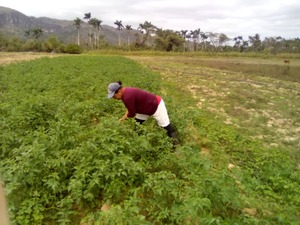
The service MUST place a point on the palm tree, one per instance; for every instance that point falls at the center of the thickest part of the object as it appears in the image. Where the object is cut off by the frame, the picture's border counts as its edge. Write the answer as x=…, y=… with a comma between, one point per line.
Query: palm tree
x=255, y=42
x=27, y=33
x=77, y=24
x=146, y=28
x=188, y=38
x=183, y=34
x=99, y=27
x=94, y=23
x=37, y=32
x=195, y=34
x=223, y=39
x=240, y=44
x=87, y=16
x=203, y=37
x=128, y=28
x=119, y=28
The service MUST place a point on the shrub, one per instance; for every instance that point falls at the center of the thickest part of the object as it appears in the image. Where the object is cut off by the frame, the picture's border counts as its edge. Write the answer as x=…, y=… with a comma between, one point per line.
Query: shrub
x=73, y=49
x=53, y=45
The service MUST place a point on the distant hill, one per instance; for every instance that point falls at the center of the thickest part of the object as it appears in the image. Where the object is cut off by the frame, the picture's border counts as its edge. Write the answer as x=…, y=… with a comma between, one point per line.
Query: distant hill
x=14, y=24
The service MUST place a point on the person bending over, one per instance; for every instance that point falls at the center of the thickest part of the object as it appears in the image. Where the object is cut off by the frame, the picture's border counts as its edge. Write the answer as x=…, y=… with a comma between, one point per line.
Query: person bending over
x=141, y=104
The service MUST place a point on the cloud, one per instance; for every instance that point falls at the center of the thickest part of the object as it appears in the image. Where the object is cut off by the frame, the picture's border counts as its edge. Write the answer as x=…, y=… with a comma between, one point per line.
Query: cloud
x=232, y=17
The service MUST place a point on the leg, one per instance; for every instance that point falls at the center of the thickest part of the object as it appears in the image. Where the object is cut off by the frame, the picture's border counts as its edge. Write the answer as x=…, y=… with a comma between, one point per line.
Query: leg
x=139, y=121
x=141, y=118
x=162, y=118
x=172, y=133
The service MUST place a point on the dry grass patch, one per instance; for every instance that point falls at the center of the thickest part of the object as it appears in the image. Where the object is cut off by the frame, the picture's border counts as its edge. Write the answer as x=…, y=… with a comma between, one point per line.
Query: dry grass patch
x=247, y=93
x=13, y=57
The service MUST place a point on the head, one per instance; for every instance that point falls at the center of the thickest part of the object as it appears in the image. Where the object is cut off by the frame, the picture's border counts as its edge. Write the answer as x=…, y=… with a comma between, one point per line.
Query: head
x=115, y=90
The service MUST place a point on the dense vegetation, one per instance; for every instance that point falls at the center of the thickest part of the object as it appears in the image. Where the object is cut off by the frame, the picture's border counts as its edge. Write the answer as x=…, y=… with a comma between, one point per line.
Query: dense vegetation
x=52, y=44
x=64, y=154
x=146, y=37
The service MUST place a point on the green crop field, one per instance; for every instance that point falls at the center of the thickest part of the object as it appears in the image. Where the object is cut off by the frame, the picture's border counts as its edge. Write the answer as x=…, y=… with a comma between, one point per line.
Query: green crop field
x=66, y=159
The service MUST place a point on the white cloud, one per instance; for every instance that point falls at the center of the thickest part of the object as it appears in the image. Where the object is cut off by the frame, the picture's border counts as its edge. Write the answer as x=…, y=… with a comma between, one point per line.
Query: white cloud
x=232, y=17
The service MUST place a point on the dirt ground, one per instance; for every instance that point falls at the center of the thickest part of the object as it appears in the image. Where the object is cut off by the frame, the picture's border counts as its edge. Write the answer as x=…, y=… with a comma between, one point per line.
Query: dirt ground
x=12, y=57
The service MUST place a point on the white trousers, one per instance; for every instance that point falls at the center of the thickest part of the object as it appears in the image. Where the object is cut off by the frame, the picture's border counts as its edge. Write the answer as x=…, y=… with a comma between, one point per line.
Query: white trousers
x=161, y=115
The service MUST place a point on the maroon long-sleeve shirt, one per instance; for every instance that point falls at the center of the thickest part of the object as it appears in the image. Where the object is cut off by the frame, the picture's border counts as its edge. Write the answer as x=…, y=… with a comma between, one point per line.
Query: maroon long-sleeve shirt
x=139, y=101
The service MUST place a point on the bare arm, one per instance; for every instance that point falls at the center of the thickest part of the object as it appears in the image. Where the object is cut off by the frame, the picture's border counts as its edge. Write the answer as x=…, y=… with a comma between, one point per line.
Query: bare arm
x=125, y=116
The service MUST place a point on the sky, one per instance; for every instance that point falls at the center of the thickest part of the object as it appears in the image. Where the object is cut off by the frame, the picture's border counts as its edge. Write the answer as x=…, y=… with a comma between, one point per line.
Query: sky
x=268, y=18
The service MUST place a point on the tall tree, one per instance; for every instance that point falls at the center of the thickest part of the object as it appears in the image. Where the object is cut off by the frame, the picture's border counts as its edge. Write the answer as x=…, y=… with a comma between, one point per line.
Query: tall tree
x=87, y=17
x=119, y=28
x=27, y=33
x=184, y=35
x=99, y=28
x=223, y=38
x=95, y=24
x=238, y=40
x=274, y=44
x=255, y=42
x=217, y=40
x=240, y=44
x=204, y=37
x=77, y=24
x=37, y=32
x=213, y=38
x=195, y=34
x=147, y=28
x=291, y=46
x=128, y=28
x=168, y=40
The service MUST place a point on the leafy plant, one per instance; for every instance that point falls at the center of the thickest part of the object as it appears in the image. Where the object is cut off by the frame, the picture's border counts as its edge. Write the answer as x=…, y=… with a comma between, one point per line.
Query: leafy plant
x=64, y=154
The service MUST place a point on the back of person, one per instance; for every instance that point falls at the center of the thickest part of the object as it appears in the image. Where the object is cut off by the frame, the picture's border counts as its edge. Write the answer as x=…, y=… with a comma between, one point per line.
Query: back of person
x=141, y=104
x=139, y=101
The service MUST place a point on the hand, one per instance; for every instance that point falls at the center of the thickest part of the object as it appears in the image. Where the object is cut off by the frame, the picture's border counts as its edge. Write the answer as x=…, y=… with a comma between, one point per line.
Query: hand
x=123, y=118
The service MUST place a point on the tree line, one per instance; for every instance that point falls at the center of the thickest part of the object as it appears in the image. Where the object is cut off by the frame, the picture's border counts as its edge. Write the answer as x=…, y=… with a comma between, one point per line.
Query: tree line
x=149, y=36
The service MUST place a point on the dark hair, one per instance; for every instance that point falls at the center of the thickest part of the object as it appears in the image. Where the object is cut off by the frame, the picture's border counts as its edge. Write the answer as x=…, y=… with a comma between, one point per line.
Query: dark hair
x=119, y=82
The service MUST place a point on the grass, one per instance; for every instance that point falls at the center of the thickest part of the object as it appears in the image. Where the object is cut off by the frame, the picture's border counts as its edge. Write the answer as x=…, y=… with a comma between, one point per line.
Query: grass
x=253, y=96
x=238, y=162
x=265, y=106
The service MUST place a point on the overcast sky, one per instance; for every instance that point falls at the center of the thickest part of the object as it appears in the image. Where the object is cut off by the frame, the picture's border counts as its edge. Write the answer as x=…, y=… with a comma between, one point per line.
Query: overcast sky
x=269, y=18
